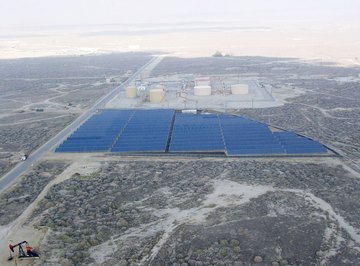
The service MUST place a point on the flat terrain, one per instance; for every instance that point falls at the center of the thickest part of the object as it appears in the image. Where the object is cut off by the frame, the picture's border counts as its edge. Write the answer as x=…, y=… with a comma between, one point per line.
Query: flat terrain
x=40, y=96
x=335, y=40
x=102, y=209
x=130, y=211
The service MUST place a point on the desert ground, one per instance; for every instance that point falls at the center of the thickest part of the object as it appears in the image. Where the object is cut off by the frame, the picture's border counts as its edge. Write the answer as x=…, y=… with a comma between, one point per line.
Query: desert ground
x=40, y=96
x=336, y=42
x=108, y=209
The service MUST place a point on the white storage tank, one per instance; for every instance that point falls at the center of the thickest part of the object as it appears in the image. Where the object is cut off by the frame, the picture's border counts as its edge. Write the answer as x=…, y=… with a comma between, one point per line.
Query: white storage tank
x=157, y=95
x=131, y=92
x=202, y=90
x=240, y=89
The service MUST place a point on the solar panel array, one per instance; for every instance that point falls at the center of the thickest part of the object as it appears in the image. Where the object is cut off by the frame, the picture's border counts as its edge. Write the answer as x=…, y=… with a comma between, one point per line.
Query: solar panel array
x=196, y=133
x=147, y=131
x=167, y=131
x=97, y=133
x=295, y=144
x=247, y=137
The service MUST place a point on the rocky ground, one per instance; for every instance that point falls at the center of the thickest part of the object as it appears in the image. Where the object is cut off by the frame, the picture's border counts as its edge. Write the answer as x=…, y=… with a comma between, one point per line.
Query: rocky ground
x=204, y=212
x=17, y=198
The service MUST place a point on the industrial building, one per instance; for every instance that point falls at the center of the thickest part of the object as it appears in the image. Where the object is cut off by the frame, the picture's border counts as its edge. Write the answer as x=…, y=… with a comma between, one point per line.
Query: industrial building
x=131, y=92
x=157, y=94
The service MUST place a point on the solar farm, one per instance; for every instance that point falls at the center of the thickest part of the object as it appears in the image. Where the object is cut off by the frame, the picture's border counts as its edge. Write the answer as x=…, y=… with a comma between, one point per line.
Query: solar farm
x=168, y=131
x=154, y=172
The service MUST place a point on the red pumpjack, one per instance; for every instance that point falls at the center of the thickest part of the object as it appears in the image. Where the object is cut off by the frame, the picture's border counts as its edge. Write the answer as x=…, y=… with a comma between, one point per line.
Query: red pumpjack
x=30, y=253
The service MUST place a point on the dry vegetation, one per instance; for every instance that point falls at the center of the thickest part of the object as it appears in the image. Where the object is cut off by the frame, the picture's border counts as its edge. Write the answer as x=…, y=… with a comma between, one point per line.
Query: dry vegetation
x=17, y=198
x=170, y=213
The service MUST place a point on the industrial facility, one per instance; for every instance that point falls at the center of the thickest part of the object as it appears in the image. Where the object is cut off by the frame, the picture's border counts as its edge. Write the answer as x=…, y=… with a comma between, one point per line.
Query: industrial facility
x=192, y=92
x=154, y=118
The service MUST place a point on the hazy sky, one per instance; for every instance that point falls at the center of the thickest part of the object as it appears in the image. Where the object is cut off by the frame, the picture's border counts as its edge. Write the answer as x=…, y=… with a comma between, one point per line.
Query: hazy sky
x=83, y=12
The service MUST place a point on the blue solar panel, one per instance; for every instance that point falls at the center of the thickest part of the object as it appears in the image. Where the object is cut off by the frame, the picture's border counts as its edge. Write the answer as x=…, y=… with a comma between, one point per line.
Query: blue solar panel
x=196, y=133
x=163, y=130
x=97, y=133
x=295, y=144
x=246, y=137
x=148, y=130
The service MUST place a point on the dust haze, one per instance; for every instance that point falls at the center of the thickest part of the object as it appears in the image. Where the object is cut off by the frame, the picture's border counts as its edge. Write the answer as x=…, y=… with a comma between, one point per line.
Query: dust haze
x=322, y=30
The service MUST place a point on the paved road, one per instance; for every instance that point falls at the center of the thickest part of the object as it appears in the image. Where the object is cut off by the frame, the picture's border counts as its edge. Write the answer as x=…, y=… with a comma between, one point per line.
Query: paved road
x=20, y=168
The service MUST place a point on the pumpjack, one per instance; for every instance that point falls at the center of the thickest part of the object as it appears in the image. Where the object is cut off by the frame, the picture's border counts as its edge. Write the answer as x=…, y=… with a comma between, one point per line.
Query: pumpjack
x=27, y=253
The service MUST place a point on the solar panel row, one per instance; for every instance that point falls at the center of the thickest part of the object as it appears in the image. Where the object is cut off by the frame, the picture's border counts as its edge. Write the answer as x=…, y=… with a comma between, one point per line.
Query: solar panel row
x=97, y=133
x=147, y=131
x=295, y=144
x=196, y=133
x=246, y=137
x=150, y=131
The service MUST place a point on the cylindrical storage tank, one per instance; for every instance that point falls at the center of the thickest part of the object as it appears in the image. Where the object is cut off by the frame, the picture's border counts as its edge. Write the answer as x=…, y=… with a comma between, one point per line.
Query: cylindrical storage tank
x=202, y=90
x=157, y=95
x=131, y=92
x=240, y=89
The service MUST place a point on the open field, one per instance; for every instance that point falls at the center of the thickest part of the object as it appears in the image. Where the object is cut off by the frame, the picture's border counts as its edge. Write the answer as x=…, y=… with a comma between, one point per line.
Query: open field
x=40, y=96
x=336, y=41
x=170, y=211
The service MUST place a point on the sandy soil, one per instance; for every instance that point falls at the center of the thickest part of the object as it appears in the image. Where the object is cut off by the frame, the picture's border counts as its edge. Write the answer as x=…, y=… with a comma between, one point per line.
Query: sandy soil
x=340, y=44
